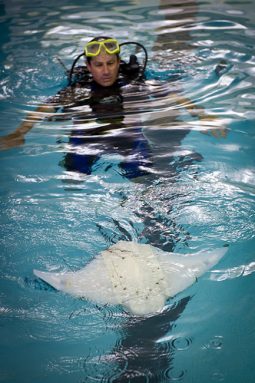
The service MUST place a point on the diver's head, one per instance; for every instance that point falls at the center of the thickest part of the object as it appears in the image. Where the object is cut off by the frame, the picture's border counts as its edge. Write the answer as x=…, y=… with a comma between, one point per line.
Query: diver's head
x=102, y=55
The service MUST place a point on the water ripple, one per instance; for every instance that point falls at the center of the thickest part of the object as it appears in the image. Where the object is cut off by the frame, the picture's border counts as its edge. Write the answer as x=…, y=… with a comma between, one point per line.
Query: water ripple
x=181, y=344
x=175, y=375
x=105, y=367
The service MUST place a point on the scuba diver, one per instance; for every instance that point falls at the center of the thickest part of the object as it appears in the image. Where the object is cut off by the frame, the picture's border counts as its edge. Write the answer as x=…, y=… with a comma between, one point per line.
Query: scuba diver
x=104, y=70
x=95, y=91
x=103, y=78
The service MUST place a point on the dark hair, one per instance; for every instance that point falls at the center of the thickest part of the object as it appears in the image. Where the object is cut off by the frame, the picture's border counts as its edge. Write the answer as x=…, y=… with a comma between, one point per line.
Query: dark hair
x=99, y=38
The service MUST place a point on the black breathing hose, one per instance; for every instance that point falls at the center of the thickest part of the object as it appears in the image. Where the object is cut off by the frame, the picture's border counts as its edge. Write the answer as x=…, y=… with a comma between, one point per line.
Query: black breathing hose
x=70, y=75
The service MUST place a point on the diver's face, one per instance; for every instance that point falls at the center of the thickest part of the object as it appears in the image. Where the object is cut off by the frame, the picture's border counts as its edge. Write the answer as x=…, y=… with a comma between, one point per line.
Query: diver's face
x=104, y=68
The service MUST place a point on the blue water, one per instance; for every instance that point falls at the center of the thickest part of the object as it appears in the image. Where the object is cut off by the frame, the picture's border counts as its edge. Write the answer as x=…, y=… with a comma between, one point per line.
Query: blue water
x=199, y=194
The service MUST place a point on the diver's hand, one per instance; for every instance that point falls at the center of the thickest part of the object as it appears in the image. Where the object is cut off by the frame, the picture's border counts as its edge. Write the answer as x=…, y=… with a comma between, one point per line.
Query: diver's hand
x=11, y=141
x=213, y=126
x=217, y=132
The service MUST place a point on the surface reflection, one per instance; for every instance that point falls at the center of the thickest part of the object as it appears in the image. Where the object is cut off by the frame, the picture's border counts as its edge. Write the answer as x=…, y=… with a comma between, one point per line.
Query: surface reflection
x=148, y=360
x=145, y=351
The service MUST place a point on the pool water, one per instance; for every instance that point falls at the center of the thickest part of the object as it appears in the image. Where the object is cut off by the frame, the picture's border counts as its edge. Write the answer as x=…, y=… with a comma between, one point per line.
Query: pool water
x=197, y=192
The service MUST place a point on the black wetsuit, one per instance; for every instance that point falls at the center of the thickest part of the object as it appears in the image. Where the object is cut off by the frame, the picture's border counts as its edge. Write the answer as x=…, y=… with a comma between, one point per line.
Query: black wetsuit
x=111, y=136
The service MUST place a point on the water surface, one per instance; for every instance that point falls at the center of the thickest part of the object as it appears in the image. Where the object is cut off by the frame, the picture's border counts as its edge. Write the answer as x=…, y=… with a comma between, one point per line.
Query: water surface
x=198, y=192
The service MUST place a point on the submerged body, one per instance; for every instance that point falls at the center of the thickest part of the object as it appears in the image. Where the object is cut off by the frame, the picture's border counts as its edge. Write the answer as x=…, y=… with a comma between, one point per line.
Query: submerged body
x=138, y=276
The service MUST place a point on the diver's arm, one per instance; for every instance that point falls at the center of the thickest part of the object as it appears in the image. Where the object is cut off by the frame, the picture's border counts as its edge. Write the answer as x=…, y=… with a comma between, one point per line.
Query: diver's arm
x=16, y=138
x=210, y=121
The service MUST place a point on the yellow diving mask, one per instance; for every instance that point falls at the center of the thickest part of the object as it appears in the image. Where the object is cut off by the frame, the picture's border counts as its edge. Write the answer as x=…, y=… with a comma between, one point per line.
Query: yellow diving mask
x=93, y=48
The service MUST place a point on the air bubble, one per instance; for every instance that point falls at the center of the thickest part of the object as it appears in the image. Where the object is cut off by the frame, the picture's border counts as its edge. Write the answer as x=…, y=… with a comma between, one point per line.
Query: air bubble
x=175, y=375
x=216, y=343
x=181, y=343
